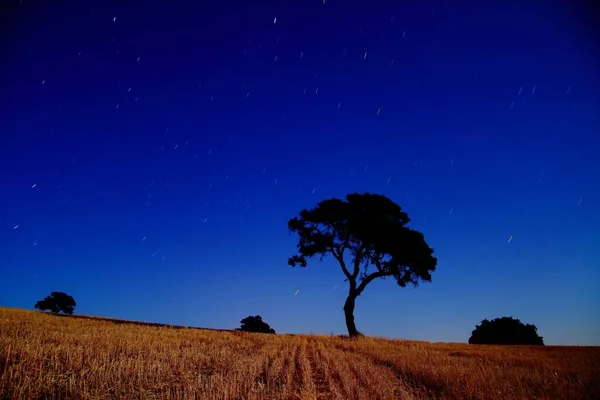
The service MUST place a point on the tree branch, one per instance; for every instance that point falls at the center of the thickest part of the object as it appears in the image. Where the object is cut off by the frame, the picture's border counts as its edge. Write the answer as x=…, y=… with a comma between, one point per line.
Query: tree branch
x=339, y=256
x=367, y=280
x=357, y=260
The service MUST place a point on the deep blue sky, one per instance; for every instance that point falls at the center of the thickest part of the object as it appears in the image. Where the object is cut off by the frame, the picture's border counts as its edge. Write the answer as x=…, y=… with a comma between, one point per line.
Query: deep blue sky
x=151, y=155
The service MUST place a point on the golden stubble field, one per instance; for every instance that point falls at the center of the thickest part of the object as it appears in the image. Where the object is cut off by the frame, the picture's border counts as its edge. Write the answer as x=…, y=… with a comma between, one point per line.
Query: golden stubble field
x=47, y=357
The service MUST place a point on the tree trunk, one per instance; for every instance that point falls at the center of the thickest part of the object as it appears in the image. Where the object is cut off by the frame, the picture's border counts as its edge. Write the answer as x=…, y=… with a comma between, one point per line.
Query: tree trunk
x=349, y=313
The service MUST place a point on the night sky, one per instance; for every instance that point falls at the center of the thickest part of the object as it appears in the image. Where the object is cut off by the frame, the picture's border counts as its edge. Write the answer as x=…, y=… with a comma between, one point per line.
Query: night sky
x=151, y=155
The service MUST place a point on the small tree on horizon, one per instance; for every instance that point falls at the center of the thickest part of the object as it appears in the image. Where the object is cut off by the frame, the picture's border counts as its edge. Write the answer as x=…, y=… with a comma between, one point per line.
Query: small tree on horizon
x=371, y=228
x=255, y=324
x=57, y=302
x=505, y=331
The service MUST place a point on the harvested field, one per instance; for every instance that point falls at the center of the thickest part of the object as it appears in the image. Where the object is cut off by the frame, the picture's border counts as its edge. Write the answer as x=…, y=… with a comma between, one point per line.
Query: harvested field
x=48, y=357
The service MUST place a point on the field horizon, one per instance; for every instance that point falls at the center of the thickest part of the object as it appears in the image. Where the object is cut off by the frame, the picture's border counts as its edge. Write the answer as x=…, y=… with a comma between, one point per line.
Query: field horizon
x=43, y=356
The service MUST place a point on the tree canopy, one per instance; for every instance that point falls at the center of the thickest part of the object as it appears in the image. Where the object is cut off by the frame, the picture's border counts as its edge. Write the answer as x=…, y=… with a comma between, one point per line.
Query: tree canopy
x=255, y=324
x=57, y=302
x=370, y=229
x=505, y=330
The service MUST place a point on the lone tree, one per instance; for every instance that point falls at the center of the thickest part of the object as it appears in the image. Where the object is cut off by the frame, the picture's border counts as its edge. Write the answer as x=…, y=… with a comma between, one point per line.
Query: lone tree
x=255, y=324
x=57, y=302
x=370, y=228
x=505, y=330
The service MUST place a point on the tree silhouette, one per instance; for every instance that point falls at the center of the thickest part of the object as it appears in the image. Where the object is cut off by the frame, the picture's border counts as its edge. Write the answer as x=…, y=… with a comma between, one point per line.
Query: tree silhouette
x=371, y=229
x=505, y=330
x=57, y=302
x=255, y=324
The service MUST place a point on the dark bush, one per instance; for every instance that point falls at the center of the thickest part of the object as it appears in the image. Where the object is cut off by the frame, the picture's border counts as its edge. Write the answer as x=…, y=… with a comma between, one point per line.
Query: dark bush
x=505, y=330
x=57, y=302
x=255, y=324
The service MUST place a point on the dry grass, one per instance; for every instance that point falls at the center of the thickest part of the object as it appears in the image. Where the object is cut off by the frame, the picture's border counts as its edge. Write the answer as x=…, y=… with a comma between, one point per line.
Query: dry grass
x=46, y=357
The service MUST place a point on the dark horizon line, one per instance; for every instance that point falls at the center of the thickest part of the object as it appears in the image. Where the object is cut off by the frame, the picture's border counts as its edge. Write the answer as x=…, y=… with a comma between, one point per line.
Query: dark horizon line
x=118, y=321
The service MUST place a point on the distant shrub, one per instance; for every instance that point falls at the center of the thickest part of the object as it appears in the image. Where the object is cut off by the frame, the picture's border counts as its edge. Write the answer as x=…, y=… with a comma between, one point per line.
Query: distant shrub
x=57, y=302
x=505, y=330
x=255, y=324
